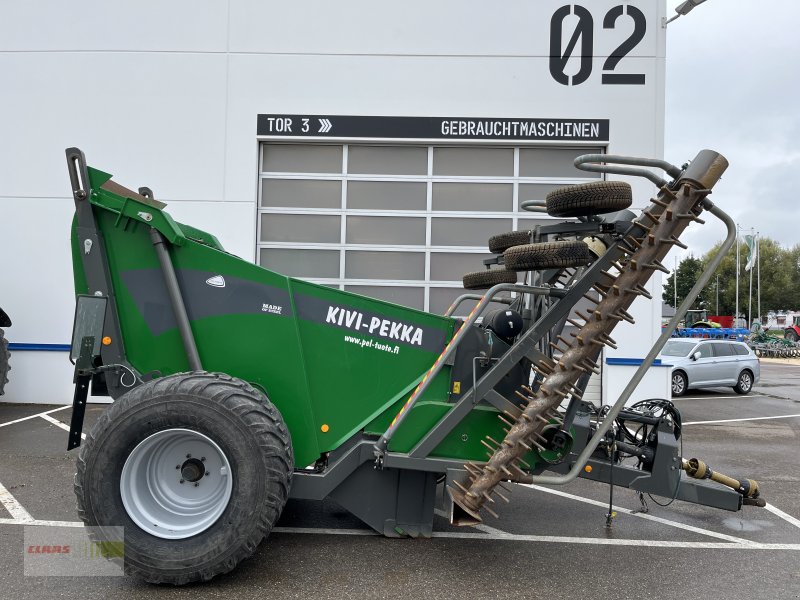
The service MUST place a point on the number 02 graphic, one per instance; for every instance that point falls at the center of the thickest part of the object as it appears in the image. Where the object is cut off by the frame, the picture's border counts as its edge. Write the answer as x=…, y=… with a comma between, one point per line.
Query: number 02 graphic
x=584, y=33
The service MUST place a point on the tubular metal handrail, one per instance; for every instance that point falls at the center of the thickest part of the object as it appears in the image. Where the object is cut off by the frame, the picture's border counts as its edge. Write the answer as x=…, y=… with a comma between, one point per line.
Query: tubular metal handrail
x=603, y=163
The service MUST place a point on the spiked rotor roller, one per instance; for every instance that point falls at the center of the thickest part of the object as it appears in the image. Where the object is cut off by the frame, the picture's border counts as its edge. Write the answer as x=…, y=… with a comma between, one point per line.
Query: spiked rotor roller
x=659, y=227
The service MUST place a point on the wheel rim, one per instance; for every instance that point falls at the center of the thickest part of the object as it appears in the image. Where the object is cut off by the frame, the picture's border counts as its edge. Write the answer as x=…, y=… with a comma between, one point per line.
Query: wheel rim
x=745, y=382
x=677, y=384
x=176, y=483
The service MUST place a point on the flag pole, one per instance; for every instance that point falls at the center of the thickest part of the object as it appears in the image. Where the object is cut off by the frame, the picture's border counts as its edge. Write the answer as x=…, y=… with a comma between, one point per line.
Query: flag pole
x=750, y=297
x=736, y=314
x=758, y=277
x=675, y=283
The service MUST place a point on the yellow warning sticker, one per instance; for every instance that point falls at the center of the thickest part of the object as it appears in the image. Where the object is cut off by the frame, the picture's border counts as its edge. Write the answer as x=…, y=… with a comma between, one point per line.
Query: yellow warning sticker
x=456, y=387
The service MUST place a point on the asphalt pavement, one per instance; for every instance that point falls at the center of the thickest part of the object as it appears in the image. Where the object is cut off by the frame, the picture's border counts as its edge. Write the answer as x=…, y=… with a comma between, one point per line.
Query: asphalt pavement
x=548, y=542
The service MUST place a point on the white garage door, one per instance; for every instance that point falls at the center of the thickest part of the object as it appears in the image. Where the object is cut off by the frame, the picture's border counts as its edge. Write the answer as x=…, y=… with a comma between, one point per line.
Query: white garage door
x=398, y=222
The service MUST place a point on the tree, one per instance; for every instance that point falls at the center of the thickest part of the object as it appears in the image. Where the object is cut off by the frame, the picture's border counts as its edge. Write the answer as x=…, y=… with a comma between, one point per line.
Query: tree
x=688, y=272
x=780, y=279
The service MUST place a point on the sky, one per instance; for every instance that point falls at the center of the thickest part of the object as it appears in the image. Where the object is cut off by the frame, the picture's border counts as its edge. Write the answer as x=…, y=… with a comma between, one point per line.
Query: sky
x=733, y=85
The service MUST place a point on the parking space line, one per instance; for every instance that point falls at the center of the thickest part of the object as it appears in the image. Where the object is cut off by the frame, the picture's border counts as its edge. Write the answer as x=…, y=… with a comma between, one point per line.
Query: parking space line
x=740, y=420
x=497, y=536
x=58, y=423
x=14, y=508
x=614, y=541
x=513, y=537
x=29, y=417
x=786, y=517
x=627, y=511
x=40, y=523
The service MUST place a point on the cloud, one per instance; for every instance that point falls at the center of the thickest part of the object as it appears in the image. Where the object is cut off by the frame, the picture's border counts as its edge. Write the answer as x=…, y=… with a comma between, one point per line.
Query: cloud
x=733, y=86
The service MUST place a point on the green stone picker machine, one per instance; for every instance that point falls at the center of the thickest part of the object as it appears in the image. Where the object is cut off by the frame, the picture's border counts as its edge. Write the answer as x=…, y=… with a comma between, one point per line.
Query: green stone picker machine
x=236, y=388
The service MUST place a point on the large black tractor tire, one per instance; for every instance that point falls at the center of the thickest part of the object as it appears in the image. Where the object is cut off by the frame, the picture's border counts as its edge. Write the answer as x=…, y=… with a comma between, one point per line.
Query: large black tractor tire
x=482, y=280
x=5, y=367
x=140, y=461
x=502, y=242
x=547, y=255
x=584, y=199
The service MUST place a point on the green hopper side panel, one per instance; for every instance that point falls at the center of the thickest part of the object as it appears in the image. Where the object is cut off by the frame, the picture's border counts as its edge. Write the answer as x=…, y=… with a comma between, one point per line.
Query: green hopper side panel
x=331, y=361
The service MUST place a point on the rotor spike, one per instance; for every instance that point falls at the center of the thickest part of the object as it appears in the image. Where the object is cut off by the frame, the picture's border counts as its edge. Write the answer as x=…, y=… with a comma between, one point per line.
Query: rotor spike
x=651, y=216
x=523, y=462
x=505, y=421
x=668, y=192
x=505, y=486
x=622, y=315
x=496, y=491
x=651, y=239
x=654, y=264
x=668, y=214
x=633, y=241
x=465, y=490
x=471, y=468
x=590, y=365
x=597, y=315
x=540, y=372
x=640, y=289
x=674, y=241
x=591, y=298
x=491, y=512
x=575, y=392
x=544, y=366
x=566, y=343
x=521, y=472
x=660, y=203
x=634, y=262
x=574, y=323
x=485, y=443
x=488, y=497
x=691, y=217
x=523, y=396
x=495, y=442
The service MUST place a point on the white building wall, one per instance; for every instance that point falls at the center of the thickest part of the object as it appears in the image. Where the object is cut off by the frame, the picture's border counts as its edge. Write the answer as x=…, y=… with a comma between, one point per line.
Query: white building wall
x=166, y=95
